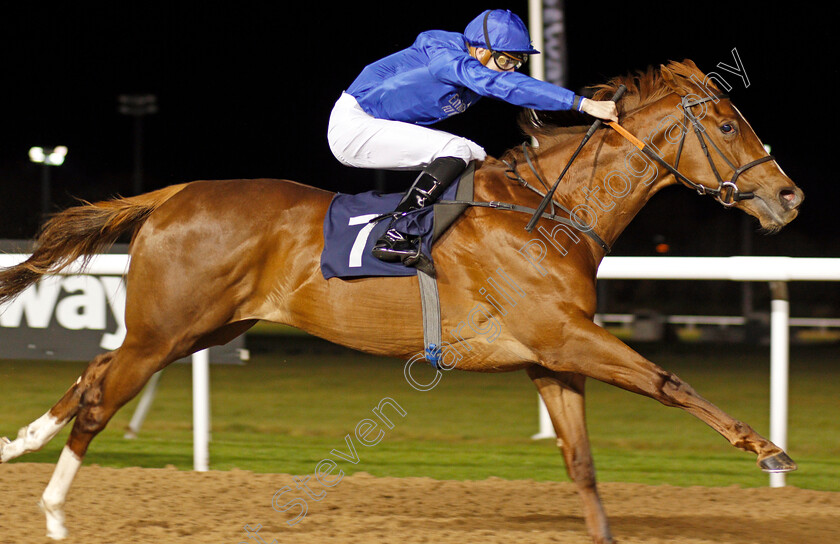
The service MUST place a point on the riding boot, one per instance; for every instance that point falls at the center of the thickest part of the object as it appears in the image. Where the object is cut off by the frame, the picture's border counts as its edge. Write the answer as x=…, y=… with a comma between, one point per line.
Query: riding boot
x=394, y=246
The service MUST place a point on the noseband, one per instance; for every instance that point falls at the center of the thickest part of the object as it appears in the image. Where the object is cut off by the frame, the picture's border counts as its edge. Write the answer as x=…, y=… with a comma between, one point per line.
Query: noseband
x=727, y=192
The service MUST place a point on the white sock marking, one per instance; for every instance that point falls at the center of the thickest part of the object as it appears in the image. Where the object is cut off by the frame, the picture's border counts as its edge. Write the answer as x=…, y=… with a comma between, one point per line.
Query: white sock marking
x=52, y=501
x=33, y=437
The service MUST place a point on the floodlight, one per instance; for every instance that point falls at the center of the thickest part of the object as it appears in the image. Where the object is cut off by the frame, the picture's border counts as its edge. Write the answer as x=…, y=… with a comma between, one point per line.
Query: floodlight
x=50, y=156
x=36, y=154
x=47, y=157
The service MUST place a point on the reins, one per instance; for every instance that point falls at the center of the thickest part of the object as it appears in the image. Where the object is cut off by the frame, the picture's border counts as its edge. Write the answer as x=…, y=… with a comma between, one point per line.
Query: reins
x=512, y=174
x=539, y=212
x=497, y=205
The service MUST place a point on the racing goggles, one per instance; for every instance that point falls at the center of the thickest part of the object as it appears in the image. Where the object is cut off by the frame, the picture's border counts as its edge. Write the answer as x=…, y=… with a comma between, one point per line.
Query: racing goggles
x=506, y=61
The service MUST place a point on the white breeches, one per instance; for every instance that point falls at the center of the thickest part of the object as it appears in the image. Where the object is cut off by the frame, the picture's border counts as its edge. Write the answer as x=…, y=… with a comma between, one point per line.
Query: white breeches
x=363, y=141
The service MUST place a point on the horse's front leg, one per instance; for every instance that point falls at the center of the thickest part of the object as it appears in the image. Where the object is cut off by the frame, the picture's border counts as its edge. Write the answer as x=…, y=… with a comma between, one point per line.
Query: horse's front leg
x=590, y=350
x=563, y=394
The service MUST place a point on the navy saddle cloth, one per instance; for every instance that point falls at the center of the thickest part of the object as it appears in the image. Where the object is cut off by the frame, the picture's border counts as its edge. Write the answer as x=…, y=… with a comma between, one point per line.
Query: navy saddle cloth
x=349, y=234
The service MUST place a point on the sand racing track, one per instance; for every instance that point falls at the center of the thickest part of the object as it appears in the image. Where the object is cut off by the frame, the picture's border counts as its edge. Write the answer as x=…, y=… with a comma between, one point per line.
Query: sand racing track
x=161, y=506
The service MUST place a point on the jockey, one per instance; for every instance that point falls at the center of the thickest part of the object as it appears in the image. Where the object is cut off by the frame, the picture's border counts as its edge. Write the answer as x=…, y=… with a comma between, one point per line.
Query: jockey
x=380, y=120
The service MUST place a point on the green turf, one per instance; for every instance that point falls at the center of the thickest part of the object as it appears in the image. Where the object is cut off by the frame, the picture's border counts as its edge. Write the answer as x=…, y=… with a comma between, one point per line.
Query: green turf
x=284, y=412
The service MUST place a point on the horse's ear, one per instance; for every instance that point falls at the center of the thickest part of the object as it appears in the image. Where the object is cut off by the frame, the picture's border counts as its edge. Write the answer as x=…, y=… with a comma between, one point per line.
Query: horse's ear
x=669, y=78
x=691, y=64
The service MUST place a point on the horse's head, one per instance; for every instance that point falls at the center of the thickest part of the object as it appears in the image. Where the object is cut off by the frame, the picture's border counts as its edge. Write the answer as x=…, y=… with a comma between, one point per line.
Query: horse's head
x=714, y=148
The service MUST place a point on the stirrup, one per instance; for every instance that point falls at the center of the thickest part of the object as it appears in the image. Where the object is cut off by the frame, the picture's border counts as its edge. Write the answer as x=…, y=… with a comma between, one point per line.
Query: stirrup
x=394, y=246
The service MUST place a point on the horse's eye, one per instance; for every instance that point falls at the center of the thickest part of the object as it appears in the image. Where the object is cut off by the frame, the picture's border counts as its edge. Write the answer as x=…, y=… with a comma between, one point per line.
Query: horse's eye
x=727, y=128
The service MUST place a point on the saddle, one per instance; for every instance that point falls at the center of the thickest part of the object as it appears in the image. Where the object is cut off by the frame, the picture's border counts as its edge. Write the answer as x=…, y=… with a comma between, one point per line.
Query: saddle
x=354, y=222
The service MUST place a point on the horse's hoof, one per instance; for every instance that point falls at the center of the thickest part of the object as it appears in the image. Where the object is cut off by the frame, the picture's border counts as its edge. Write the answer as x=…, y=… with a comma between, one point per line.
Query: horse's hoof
x=55, y=521
x=777, y=463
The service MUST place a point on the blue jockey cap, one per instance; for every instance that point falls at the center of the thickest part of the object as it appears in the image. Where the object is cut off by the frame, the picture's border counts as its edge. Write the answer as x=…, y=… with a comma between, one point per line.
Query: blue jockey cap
x=503, y=29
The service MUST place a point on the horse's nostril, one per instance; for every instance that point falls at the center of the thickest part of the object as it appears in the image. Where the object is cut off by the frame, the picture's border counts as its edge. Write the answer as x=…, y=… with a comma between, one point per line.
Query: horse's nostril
x=789, y=199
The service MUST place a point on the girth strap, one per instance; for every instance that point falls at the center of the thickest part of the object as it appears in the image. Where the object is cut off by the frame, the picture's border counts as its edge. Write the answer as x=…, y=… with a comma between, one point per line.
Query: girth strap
x=430, y=304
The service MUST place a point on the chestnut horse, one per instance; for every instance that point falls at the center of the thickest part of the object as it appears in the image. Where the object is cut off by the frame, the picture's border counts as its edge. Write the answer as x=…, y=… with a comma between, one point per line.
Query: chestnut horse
x=211, y=258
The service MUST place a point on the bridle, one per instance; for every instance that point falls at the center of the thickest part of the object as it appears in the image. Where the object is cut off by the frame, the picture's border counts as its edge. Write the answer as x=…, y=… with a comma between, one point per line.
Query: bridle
x=727, y=192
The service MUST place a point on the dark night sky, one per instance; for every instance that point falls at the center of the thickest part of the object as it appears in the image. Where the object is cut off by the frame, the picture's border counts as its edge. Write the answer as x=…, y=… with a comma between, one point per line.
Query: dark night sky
x=245, y=91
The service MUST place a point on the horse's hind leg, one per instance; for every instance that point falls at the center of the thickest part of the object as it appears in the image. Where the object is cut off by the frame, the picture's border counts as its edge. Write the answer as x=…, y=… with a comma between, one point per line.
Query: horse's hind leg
x=37, y=434
x=563, y=394
x=97, y=399
x=125, y=375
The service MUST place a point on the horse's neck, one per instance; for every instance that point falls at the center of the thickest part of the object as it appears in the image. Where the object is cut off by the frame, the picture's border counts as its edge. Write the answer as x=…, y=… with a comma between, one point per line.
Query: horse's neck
x=611, y=180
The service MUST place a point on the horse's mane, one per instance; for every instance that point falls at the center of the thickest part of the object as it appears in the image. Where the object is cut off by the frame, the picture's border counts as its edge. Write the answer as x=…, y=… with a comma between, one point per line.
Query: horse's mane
x=643, y=87
x=646, y=87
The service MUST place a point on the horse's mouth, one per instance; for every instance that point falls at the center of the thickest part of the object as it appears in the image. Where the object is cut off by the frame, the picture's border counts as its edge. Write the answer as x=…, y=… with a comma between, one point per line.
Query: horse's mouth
x=771, y=216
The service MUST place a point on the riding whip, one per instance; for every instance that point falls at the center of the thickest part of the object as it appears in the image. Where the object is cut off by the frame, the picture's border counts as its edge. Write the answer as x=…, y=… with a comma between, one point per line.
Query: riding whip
x=547, y=198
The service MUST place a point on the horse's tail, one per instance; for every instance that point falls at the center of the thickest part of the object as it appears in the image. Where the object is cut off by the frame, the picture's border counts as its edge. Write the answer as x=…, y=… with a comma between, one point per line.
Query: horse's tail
x=79, y=233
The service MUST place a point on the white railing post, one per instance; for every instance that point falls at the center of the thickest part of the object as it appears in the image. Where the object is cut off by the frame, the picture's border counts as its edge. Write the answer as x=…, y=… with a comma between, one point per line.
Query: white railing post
x=201, y=410
x=779, y=369
x=143, y=406
x=546, y=428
